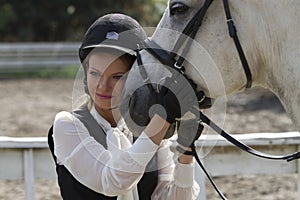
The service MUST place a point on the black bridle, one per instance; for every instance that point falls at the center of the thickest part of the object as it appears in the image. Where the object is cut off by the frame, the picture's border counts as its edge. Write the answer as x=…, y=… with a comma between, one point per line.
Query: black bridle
x=169, y=59
x=190, y=30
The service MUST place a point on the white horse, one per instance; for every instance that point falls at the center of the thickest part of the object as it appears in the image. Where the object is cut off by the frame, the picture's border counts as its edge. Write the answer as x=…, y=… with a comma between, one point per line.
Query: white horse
x=269, y=32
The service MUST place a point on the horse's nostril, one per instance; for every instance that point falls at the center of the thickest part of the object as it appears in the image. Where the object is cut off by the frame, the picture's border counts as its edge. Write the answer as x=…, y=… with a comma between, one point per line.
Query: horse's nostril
x=140, y=104
x=132, y=109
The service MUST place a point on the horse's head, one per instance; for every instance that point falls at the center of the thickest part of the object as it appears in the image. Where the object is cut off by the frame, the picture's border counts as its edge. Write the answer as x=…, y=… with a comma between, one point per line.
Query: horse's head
x=268, y=32
x=212, y=61
x=199, y=65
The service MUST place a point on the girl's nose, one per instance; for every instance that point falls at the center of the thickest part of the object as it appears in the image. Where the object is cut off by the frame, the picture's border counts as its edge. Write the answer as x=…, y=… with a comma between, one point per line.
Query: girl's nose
x=103, y=83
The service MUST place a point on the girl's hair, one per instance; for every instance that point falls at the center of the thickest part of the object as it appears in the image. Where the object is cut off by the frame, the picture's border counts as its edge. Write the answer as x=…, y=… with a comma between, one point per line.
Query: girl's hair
x=129, y=59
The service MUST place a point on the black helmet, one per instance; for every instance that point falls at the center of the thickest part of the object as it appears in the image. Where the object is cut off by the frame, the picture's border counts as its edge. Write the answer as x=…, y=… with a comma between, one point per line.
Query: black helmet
x=115, y=31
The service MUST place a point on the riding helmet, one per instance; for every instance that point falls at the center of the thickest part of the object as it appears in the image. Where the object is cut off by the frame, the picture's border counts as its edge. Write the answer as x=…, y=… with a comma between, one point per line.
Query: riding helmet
x=116, y=31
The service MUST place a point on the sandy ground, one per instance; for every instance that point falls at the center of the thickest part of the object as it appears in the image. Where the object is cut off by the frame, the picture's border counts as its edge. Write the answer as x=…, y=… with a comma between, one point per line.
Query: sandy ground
x=29, y=107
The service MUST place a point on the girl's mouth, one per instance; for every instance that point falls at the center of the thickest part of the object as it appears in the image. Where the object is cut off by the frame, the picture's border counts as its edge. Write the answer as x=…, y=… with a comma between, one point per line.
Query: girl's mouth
x=103, y=96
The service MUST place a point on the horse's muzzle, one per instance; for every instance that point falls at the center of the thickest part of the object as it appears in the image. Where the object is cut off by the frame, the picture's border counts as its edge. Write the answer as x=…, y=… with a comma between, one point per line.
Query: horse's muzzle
x=135, y=109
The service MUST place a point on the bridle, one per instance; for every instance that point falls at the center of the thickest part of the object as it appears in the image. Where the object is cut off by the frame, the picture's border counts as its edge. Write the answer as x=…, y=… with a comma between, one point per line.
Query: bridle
x=169, y=58
x=174, y=61
x=190, y=30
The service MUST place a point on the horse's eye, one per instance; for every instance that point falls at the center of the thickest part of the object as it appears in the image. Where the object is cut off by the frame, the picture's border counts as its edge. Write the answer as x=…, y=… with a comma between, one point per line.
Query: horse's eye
x=178, y=8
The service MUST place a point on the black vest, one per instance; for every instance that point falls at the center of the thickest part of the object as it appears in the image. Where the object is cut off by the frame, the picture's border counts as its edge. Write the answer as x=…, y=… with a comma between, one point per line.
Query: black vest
x=71, y=189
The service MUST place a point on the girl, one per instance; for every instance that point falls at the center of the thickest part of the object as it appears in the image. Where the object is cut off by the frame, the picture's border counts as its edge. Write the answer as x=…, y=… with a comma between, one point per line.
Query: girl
x=96, y=155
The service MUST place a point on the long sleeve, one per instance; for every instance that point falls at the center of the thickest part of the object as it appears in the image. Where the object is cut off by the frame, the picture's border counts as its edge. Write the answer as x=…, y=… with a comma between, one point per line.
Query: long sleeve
x=176, y=180
x=115, y=171
x=111, y=172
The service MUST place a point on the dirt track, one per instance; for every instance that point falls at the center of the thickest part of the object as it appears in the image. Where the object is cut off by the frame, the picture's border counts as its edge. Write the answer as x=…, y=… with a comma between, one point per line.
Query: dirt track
x=29, y=106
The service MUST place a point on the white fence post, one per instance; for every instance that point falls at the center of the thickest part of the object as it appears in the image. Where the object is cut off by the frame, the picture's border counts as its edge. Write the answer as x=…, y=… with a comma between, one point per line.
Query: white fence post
x=298, y=172
x=29, y=174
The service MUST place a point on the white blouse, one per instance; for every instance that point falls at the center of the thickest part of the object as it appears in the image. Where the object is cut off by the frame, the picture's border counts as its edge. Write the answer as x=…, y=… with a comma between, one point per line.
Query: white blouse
x=117, y=170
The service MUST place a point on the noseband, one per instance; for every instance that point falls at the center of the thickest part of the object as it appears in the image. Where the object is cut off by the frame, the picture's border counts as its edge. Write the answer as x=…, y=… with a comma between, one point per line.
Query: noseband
x=169, y=59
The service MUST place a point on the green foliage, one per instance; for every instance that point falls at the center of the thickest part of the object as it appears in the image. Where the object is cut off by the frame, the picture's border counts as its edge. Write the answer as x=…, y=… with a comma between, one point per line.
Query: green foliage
x=67, y=20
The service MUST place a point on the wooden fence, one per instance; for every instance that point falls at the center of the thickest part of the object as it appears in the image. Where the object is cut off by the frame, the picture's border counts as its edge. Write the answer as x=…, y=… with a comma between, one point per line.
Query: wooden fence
x=29, y=158
x=32, y=56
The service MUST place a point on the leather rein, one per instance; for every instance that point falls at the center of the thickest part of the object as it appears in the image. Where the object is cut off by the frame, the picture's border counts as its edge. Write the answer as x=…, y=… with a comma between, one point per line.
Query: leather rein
x=169, y=59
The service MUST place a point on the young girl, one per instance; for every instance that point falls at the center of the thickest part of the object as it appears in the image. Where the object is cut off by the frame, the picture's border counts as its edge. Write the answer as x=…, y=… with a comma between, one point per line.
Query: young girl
x=96, y=155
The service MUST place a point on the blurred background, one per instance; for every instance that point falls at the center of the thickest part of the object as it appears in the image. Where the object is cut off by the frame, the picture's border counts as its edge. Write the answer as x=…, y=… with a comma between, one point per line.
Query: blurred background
x=39, y=43
x=67, y=20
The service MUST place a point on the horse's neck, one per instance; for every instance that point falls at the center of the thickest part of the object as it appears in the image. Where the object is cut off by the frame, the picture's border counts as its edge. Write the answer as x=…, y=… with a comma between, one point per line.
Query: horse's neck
x=285, y=84
x=274, y=51
x=284, y=80
x=269, y=34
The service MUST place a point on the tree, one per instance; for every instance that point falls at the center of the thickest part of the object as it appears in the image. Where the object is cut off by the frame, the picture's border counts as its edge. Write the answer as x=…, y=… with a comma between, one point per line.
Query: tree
x=66, y=20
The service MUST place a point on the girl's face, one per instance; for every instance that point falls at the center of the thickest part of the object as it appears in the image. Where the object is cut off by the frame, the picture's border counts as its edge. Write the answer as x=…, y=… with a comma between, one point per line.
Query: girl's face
x=106, y=74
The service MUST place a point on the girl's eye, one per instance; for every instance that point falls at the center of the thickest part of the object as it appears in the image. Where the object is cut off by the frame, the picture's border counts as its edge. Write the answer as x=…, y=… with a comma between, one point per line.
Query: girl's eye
x=95, y=74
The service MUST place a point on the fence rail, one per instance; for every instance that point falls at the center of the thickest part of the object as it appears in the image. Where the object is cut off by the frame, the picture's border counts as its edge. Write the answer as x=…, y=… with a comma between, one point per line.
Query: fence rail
x=29, y=158
x=30, y=56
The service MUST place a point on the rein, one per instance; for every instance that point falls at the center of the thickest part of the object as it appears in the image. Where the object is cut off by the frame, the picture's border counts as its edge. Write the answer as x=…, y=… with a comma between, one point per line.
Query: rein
x=169, y=59
x=234, y=36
